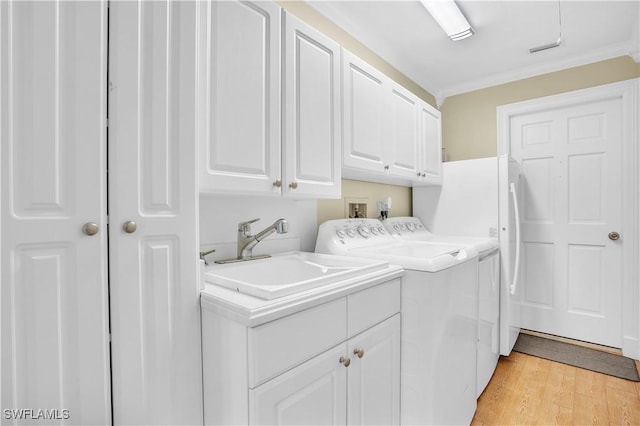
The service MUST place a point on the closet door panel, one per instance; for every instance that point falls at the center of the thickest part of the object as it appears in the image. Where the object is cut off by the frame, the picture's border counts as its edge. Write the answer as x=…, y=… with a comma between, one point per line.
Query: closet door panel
x=156, y=368
x=54, y=292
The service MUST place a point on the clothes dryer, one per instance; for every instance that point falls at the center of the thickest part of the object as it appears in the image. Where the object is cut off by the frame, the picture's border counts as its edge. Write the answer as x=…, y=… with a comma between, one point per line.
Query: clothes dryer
x=412, y=229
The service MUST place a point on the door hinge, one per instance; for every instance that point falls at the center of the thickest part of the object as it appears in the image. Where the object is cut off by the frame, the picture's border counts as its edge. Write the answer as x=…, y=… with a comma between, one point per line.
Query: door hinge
x=107, y=122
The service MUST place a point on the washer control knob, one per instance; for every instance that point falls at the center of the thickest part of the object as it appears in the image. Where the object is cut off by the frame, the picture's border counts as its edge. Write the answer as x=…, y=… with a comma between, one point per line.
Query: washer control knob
x=364, y=232
x=340, y=233
x=351, y=233
x=411, y=227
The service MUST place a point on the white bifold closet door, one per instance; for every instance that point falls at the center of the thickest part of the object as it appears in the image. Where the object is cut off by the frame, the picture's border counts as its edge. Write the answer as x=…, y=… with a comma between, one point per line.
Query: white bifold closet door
x=54, y=310
x=67, y=183
x=153, y=271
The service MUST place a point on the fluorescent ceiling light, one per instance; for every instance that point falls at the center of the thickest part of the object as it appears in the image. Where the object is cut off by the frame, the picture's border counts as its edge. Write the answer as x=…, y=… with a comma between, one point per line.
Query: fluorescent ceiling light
x=449, y=17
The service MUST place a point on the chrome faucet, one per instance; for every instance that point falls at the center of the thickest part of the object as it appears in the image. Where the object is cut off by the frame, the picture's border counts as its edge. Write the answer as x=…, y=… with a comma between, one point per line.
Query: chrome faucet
x=246, y=241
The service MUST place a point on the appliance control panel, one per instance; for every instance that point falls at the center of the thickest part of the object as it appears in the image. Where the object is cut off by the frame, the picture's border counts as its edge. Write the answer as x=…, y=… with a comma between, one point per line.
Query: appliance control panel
x=406, y=226
x=352, y=233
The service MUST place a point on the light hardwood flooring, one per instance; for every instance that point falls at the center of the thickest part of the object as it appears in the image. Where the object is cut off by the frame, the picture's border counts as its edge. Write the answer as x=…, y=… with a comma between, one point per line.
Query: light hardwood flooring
x=527, y=390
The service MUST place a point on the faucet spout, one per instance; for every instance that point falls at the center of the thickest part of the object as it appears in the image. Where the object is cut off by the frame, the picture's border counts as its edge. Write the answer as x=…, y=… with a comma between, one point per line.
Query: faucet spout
x=246, y=241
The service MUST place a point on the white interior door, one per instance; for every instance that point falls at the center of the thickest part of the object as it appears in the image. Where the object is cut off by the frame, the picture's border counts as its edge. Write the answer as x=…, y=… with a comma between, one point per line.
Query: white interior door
x=54, y=321
x=571, y=201
x=155, y=322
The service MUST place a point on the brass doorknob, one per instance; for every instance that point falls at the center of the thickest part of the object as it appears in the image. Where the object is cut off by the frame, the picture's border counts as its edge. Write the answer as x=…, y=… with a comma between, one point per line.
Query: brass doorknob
x=614, y=236
x=90, y=228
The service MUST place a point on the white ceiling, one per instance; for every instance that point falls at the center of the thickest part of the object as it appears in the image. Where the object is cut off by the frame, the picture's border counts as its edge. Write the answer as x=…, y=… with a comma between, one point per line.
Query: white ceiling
x=405, y=35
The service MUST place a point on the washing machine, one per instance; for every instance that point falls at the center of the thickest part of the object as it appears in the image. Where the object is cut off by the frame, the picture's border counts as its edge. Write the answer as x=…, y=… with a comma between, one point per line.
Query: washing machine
x=412, y=229
x=439, y=310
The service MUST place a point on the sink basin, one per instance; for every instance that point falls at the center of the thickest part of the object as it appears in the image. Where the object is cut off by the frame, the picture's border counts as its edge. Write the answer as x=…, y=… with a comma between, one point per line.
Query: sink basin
x=288, y=273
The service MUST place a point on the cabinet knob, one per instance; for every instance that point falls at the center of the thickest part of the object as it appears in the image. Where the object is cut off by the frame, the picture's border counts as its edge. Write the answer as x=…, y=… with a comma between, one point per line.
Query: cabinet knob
x=345, y=361
x=293, y=185
x=129, y=227
x=424, y=174
x=419, y=174
x=613, y=236
x=90, y=228
x=386, y=167
x=277, y=183
x=359, y=352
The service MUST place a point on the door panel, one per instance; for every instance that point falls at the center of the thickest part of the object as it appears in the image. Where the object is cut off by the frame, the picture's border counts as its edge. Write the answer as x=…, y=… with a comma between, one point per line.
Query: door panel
x=241, y=103
x=312, y=140
x=55, y=335
x=572, y=185
x=403, y=137
x=313, y=393
x=374, y=380
x=156, y=367
x=364, y=100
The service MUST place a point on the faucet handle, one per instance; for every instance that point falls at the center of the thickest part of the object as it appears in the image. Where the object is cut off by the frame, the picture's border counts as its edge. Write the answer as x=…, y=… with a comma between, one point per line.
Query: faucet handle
x=246, y=226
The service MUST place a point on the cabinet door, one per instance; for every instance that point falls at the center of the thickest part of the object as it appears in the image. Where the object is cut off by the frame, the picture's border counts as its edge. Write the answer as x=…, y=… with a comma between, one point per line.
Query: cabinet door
x=374, y=378
x=155, y=309
x=430, y=144
x=54, y=292
x=402, y=157
x=312, y=139
x=364, y=101
x=314, y=393
x=240, y=97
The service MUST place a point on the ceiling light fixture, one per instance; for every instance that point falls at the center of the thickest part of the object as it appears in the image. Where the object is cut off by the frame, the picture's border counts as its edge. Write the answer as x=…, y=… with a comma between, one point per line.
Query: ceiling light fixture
x=449, y=17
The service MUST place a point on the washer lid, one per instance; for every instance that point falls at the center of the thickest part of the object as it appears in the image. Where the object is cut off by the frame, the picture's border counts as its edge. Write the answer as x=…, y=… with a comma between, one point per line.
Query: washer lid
x=419, y=255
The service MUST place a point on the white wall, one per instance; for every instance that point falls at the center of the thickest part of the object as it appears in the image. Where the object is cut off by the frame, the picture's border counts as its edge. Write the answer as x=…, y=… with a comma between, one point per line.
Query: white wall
x=220, y=215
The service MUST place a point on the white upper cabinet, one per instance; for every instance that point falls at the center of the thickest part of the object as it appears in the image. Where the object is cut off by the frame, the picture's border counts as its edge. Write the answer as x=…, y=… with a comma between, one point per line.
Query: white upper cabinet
x=312, y=115
x=390, y=135
x=429, y=144
x=266, y=130
x=240, y=98
x=364, y=99
x=402, y=139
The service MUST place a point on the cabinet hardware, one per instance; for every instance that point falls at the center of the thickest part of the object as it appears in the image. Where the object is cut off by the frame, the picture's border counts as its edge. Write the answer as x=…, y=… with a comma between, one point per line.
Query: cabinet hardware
x=90, y=228
x=293, y=185
x=345, y=361
x=277, y=183
x=614, y=236
x=129, y=227
x=386, y=167
x=359, y=352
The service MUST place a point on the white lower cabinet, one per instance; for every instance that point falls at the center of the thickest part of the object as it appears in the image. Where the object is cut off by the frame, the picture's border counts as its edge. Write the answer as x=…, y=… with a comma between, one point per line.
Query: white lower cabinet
x=312, y=393
x=357, y=382
x=332, y=364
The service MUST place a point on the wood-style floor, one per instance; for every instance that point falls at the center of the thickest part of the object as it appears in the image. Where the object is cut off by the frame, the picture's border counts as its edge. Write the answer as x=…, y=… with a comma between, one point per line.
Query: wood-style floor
x=527, y=390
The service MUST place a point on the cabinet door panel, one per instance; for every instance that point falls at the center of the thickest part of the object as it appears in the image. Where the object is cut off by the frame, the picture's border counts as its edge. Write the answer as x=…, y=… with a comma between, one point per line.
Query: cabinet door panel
x=240, y=79
x=374, y=379
x=312, y=112
x=54, y=293
x=364, y=100
x=430, y=144
x=155, y=310
x=313, y=393
x=403, y=137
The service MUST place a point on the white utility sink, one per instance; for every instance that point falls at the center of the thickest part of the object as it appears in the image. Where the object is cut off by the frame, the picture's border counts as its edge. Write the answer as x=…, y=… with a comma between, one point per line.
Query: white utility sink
x=288, y=273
